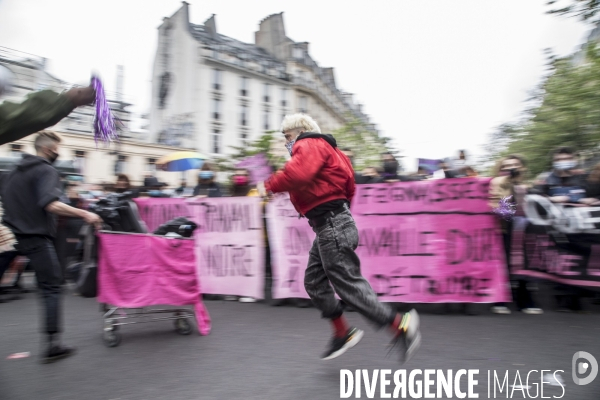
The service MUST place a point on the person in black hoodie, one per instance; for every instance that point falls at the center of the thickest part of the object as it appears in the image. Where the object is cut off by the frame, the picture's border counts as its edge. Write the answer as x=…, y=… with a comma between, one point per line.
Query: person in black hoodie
x=31, y=194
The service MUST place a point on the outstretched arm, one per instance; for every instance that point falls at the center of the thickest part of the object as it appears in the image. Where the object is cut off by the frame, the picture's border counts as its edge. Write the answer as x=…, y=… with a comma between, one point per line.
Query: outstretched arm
x=39, y=111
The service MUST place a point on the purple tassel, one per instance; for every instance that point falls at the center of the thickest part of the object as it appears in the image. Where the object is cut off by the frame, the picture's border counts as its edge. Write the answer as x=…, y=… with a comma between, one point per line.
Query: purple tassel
x=105, y=128
x=506, y=209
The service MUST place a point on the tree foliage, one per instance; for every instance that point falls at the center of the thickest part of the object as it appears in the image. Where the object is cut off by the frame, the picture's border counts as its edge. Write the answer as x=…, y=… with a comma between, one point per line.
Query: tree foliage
x=585, y=10
x=565, y=111
x=366, y=146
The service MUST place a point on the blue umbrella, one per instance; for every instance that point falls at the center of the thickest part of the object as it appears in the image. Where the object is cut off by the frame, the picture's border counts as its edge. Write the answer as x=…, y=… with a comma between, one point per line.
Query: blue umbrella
x=181, y=161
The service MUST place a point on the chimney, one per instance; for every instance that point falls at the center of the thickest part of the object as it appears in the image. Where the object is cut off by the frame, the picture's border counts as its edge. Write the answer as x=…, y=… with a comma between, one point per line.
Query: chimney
x=271, y=33
x=210, y=26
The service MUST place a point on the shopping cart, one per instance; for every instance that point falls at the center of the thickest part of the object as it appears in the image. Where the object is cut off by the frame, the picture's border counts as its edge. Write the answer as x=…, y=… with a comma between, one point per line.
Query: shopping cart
x=139, y=271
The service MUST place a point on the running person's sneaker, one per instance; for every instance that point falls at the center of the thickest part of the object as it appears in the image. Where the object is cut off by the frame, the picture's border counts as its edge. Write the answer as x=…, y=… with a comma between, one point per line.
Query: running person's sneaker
x=339, y=346
x=57, y=352
x=408, y=335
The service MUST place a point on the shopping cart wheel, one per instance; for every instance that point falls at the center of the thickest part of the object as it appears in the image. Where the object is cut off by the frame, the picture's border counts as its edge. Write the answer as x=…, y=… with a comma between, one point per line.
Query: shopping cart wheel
x=183, y=326
x=111, y=338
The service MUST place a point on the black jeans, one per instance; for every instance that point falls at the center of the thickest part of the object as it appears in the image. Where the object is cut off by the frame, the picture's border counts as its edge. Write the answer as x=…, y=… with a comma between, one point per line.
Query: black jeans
x=333, y=262
x=5, y=259
x=44, y=261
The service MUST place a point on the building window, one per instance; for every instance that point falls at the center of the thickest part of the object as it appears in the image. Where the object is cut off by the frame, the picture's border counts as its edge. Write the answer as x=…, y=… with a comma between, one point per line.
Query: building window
x=267, y=90
x=121, y=166
x=16, y=150
x=79, y=161
x=298, y=53
x=216, y=141
x=303, y=104
x=244, y=115
x=244, y=137
x=217, y=76
x=244, y=86
x=216, y=111
x=283, y=97
x=151, y=164
x=266, y=120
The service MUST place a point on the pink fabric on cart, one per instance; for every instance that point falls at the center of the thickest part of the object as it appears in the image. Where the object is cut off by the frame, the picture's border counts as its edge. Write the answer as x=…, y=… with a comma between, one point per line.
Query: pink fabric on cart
x=142, y=270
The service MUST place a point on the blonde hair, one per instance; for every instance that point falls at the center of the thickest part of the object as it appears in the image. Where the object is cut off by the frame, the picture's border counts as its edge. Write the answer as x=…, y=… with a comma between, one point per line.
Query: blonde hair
x=302, y=121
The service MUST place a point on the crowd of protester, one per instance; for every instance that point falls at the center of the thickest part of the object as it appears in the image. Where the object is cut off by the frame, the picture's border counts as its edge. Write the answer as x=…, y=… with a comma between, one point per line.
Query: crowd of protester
x=565, y=183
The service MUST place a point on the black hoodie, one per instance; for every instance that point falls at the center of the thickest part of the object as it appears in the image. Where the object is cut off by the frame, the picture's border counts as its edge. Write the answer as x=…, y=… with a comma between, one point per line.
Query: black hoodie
x=326, y=136
x=26, y=192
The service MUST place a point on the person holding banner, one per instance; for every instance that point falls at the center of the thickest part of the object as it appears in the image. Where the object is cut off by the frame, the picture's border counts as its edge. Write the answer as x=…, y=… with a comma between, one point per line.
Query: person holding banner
x=320, y=182
x=509, y=182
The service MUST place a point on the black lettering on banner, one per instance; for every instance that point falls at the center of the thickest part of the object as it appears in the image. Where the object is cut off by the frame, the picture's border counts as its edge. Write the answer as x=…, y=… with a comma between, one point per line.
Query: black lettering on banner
x=392, y=242
x=297, y=242
x=228, y=260
x=292, y=282
x=396, y=285
x=475, y=246
x=424, y=192
x=463, y=285
x=388, y=285
x=226, y=218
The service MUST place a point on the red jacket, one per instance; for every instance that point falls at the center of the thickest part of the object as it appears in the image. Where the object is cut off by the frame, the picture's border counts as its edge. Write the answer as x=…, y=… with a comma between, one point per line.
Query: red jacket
x=317, y=173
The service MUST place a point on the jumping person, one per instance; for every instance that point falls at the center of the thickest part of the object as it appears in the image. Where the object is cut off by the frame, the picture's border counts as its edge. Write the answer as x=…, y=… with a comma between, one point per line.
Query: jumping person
x=320, y=181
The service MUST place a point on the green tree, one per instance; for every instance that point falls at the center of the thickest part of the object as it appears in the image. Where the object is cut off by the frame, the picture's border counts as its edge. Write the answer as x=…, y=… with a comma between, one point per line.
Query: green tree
x=565, y=111
x=585, y=10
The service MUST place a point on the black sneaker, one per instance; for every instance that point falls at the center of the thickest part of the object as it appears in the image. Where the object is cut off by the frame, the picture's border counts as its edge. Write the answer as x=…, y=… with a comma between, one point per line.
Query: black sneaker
x=57, y=352
x=408, y=336
x=339, y=346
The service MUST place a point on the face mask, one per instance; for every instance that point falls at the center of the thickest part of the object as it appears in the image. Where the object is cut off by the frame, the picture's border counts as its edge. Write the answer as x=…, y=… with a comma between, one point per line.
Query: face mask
x=565, y=165
x=240, y=180
x=53, y=156
x=206, y=174
x=289, y=146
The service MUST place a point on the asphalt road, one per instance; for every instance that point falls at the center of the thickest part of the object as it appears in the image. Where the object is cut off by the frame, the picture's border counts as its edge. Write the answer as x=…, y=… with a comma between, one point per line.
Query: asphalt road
x=257, y=351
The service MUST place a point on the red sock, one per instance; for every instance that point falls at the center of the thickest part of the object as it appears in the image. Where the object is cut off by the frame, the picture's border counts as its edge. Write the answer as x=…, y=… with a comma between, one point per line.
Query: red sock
x=396, y=324
x=340, y=326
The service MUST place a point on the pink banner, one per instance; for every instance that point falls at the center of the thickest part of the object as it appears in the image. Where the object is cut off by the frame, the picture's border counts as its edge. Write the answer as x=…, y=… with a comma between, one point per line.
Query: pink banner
x=157, y=211
x=426, y=242
x=290, y=239
x=137, y=270
x=230, y=245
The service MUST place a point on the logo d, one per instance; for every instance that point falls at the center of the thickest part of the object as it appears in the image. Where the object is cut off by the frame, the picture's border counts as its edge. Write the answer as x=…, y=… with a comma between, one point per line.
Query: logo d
x=582, y=368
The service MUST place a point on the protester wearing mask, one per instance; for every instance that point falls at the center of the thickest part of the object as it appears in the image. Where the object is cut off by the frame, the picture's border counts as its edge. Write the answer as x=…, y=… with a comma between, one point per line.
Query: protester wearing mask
x=207, y=186
x=509, y=182
x=320, y=182
x=123, y=184
x=31, y=196
x=241, y=184
x=565, y=184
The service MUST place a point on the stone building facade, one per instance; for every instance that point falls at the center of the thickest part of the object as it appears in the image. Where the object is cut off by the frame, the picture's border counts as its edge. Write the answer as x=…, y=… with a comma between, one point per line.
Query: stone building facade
x=212, y=92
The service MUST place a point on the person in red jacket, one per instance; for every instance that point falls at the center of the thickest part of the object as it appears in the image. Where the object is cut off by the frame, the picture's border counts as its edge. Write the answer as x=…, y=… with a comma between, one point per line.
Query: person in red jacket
x=320, y=181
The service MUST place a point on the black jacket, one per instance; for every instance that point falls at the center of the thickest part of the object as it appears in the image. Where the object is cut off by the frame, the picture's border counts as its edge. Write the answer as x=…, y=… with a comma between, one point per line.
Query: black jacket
x=208, y=189
x=26, y=192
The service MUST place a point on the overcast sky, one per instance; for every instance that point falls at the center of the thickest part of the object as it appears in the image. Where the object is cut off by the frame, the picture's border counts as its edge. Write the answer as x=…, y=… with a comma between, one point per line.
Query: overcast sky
x=436, y=76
